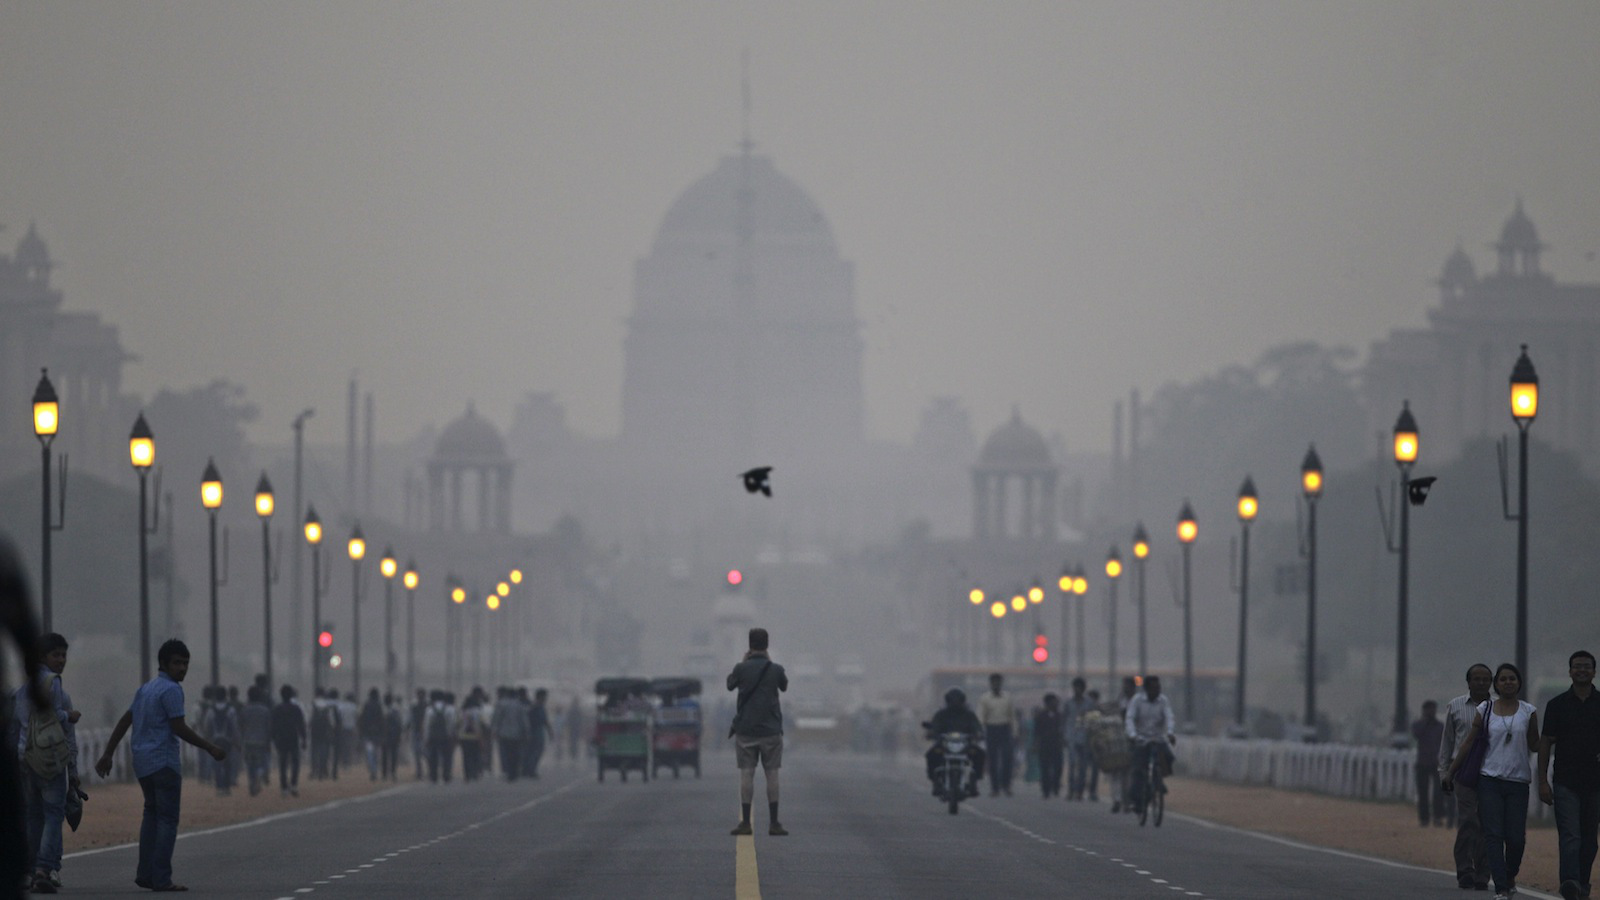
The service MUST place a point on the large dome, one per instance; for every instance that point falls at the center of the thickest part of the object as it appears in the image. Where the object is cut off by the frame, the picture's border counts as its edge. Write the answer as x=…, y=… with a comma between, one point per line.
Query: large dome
x=470, y=439
x=779, y=208
x=1518, y=231
x=1016, y=446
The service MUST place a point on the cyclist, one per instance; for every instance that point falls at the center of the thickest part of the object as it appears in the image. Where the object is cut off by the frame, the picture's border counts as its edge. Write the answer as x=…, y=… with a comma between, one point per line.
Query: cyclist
x=1148, y=721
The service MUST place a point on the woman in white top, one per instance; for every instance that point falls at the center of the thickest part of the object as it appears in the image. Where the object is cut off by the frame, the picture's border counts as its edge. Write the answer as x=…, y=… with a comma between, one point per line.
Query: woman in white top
x=1503, y=780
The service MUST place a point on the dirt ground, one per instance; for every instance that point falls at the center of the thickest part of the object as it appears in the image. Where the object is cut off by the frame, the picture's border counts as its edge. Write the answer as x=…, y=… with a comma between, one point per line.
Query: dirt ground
x=112, y=813
x=1385, y=830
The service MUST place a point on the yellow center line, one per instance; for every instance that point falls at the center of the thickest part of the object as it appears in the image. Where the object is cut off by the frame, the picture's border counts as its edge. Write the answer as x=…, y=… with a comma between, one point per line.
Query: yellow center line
x=746, y=882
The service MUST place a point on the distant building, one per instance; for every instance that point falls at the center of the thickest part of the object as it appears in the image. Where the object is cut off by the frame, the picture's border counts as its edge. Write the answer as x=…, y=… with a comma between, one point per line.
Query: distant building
x=1456, y=372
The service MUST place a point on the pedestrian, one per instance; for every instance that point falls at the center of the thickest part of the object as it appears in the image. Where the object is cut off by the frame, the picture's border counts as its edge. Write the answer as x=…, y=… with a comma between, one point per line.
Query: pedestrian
x=1049, y=745
x=236, y=761
x=157, y=720
x=1572, y=727
x=757, y=729
x=1121, y=784
x=469, y=731
x=1093, y=775
x=346, y=740
x=419, y=713
x=575, y=730
x=324, y=735
x=289, y=738
x=1471, y=853
x=1429, y=732
x=510, y=727
x=255, y=732
x=538, y=730
x=440, y=726
x=46, y=741
x=1000, y=718
x=1513, y=732
x=223, y=730
x=1077, y=739
x=17, y=621
x=394, y=729
x=369, y=726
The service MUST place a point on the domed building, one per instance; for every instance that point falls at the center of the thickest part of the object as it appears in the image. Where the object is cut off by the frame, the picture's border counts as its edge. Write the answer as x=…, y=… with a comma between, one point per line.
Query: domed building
x=472, y=447
x=1014, y=454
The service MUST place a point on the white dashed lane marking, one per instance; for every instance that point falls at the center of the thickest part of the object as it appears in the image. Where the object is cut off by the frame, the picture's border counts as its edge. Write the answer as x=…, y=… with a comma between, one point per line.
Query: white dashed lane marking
x=1086, y=852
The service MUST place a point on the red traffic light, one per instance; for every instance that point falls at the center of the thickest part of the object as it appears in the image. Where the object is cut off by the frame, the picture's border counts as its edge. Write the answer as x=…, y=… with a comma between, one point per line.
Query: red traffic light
x=1040, y=640
x=1041, y=654
x=735, y=578
x=325, y=639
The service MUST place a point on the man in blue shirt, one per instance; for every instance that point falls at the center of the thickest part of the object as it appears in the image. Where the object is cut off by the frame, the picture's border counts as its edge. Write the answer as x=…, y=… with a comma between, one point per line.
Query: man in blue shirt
x=156, y=718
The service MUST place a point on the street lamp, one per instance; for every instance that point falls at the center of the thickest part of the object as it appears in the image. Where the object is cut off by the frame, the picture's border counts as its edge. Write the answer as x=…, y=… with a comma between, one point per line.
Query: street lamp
x=1406, y=446
x=264, y=506
x=313, y=530
x=1141, y=551
x=1080, y=586
x=453, y=664
x=358, y=549
x=211, y=499
x=1311, y=488
x=1064, y=586
x=1113, y=572
x=410, y=580
x=1188, y=530
x=388, y=567
x=142, y=453
x=296, y=621
x=1248, y=506
x=46, y=420
x=1524, y=406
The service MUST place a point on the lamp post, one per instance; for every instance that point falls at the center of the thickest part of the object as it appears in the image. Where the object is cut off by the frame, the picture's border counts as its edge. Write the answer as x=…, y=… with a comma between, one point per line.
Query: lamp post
x=1406, y=447
x=410, y=579
x=452, y=664
x=997, y=611
x=1113, y=572
x=1311, y=487
x=142, y=453
x=1080, y=586
x=975, y=597
x=358, y=549
x=264, y=506
x=296, y=622
x=46, y=420
x=313, y=530
x=1524, y=406
x=1141, y=551
x=211, y=499
x=1188, y=530
x=1064, y=587
x=501, y=647
x=518, y=629
x=388, y=567
x=1248, y=506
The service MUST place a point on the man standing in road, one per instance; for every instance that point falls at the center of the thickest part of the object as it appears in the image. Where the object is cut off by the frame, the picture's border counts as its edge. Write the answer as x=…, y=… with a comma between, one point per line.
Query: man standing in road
x=1429, y=732
x=757, y=730
x=1572, y=726
x=1472, y=854
x=156, y=718
x=999, y=717
x=1077, y=738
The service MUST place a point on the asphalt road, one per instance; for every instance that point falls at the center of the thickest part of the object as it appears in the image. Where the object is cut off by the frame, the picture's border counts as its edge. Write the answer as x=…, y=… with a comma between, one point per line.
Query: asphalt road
x=859, y=828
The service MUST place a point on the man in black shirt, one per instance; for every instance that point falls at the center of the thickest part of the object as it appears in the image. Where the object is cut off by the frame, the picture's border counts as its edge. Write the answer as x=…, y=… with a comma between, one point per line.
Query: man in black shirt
x=1572, y=724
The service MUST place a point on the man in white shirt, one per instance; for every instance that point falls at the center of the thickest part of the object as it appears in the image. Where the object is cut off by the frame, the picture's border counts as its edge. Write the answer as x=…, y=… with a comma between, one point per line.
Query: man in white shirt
x=1152, y=727
x=999, y=717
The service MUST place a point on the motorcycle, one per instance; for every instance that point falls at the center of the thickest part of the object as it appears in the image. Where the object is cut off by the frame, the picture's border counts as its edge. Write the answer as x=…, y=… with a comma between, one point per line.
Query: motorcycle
x=952, y=772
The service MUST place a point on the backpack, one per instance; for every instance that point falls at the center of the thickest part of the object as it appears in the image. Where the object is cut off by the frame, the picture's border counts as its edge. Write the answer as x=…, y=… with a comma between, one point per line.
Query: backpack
x=438, y=728
x=46, y=752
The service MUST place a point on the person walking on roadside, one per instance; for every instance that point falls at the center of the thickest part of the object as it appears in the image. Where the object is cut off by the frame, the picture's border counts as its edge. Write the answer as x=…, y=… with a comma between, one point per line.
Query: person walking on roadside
x=288, y=738
x=1429, y=732
x=1077, y=739
x=255, y=733
x=999, y=717
x=510, y=726
x=157, y=720
x=223, y=730
x=757, y=729
x=394, y=731
x=1572, y=727
x=46, y=741
x=538, y=730
x=1049, y=745
x=440, y=726
x=1513, y=730
x=418, y=713
x=369, y=726
x=1471, y=853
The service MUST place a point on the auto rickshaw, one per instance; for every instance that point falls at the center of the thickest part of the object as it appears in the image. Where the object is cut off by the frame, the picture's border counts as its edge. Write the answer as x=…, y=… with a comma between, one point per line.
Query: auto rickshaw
x=622, y=726
x=675, y=740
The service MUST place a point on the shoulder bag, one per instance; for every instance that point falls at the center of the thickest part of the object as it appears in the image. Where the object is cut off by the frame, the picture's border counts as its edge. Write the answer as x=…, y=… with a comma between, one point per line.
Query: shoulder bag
x=739, y=709
x=1472, y=764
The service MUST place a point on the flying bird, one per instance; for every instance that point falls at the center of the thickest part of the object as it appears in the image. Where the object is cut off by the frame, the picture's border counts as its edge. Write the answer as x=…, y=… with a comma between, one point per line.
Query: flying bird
x=756, y=480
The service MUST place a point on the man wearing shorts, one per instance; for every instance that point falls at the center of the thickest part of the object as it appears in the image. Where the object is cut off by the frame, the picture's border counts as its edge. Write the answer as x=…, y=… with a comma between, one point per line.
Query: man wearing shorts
x=758, y=728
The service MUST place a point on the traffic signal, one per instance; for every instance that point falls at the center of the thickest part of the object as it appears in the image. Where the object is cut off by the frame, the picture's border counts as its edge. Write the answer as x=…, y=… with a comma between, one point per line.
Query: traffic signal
x=325, y=639
x=1041, y=648
x=735, y=578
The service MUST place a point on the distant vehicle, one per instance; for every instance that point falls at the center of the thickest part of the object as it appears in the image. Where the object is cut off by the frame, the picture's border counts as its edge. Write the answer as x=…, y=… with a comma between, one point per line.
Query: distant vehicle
x=678, y=725
x=622, y=726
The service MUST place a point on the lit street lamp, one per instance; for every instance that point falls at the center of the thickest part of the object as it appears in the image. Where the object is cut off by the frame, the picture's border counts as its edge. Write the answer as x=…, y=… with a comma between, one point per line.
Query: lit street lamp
x=358, y=548
x=1311, y=487
x=1524, y=406
x=388, y=567
x=1248, y=505
x=1064, y=586
x=1113, y=572
x=142, y=453
x=1080, y=586
x=453, y=665
x=410, y=579
x=211, y=499
x=975, y=597
x=313, y=530
x=265, y=502
x=46, y=420
x=1188, y=529
x=1406, y=446
x=1141, y=551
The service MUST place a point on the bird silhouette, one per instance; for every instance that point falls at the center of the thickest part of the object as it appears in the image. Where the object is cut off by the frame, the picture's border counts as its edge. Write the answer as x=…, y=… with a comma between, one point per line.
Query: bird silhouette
x=756, y=480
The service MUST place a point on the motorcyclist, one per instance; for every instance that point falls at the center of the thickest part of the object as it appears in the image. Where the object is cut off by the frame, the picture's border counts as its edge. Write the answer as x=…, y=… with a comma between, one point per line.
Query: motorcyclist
x=956, y=717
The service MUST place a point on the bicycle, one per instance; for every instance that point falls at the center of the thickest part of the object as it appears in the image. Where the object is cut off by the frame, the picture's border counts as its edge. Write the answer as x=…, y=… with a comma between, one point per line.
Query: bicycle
x=1154, y=799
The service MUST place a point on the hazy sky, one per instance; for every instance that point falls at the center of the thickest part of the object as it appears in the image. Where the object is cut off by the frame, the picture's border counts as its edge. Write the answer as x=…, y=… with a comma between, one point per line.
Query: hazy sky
x=1047, y=203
